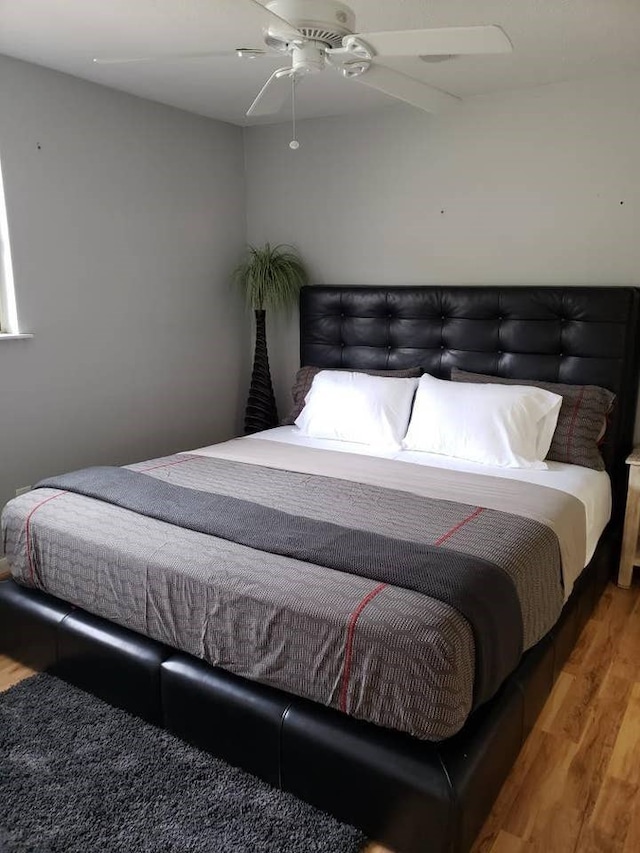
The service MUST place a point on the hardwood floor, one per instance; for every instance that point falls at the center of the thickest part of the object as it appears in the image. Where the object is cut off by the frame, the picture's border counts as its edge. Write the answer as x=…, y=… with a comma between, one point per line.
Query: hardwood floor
x=11, y=672
x=576, y=785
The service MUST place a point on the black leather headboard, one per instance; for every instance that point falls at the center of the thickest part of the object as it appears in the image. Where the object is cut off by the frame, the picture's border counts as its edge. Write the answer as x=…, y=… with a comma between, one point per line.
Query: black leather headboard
x=579, y=335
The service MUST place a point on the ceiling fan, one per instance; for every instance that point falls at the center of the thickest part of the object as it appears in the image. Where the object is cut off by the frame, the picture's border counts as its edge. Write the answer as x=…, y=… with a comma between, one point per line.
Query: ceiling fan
x=320, y=34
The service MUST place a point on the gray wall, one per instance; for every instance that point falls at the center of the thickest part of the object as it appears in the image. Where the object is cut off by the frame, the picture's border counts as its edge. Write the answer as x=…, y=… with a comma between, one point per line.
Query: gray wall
x=126, y=218
x=531, y=187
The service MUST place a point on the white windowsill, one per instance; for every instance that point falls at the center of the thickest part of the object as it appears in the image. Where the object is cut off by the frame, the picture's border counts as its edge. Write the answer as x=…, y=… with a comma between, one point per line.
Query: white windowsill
x=7, y=337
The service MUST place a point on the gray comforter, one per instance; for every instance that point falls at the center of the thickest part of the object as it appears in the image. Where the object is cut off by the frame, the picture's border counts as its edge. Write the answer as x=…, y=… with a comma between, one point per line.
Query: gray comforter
x=394, y=656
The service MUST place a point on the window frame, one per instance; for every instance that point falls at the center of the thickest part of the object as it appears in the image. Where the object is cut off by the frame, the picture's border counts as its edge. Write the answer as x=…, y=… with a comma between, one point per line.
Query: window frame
x=9, y=326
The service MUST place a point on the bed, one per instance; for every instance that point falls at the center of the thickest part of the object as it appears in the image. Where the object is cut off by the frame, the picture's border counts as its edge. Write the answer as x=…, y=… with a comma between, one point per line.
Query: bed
x=410, y=777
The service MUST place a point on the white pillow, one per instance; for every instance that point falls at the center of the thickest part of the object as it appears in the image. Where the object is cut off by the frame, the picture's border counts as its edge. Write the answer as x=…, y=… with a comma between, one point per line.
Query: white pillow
x=510, y=426
x=355, y=407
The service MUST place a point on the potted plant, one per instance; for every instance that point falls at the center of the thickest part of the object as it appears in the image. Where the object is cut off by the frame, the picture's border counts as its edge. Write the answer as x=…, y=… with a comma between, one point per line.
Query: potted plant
x=271, y=278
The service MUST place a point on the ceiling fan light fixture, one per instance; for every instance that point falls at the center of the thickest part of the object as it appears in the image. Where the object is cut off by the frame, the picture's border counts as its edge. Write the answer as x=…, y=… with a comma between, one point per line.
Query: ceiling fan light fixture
x=358, y=48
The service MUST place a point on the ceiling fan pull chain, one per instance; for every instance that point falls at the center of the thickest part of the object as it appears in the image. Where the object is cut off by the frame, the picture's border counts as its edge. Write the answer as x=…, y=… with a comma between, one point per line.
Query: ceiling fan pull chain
x=294, y=144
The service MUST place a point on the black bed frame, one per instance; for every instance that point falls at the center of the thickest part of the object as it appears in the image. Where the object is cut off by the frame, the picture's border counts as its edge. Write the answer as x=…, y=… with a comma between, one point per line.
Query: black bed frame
x=412, y=796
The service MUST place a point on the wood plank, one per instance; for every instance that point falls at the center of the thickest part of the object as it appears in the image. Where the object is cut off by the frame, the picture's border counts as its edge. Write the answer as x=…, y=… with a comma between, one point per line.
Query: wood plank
x=555, y=701
x=619, y=604
x=508, y=797
x=632, y=841
x=625, y=758
x=567, y=799
x=625, y=653
x=12, y=672
x=606, y=830
x=589, y=636
x=507, y=843
x=556, y=829
x=542, y=787
x=589, y=766
x=591, y=662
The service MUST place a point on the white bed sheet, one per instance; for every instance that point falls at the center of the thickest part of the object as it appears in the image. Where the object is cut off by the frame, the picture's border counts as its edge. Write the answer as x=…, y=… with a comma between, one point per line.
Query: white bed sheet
x=592, y=488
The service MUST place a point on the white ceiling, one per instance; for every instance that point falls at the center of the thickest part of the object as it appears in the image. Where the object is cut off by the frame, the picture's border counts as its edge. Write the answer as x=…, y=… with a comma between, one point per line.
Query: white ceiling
x=553, y=40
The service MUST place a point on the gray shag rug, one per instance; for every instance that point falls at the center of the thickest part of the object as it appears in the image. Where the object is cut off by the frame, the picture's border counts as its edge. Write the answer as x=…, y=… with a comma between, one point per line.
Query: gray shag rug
x=78, y=776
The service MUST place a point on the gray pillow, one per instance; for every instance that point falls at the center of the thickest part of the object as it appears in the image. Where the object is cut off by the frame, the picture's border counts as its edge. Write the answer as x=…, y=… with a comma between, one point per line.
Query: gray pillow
x=582, y=420
x=304, y=378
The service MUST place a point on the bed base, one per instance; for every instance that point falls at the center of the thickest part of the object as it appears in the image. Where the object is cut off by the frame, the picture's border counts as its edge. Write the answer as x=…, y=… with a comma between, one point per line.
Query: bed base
x=410, y=795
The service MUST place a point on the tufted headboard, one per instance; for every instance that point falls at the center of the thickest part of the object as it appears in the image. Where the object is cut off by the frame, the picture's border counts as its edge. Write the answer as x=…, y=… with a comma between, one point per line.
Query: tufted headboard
x=579, y=335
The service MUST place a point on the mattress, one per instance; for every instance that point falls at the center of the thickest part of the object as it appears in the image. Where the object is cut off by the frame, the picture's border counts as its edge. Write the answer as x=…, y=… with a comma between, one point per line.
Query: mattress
x=410, y=663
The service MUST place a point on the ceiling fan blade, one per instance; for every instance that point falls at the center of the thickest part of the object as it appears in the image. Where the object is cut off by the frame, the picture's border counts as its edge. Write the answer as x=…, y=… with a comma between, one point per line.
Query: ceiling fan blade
x=272, y=21
x=273, y=95
x=405, y=88
x=262, y=16
x=130, y=60
x=438, y=42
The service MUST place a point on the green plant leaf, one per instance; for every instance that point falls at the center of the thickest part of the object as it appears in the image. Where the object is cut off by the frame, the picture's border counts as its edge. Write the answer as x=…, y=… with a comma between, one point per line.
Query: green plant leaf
x=271, y=276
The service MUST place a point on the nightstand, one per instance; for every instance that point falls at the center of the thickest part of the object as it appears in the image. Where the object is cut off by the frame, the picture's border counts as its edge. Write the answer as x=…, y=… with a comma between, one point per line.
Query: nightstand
x=630, y=551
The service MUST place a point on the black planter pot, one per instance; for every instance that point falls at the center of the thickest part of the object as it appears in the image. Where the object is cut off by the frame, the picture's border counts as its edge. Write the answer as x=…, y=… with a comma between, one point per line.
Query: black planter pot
x=261, y=412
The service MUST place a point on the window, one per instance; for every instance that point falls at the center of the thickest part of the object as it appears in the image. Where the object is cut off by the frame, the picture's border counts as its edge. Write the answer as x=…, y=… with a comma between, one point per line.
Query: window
x=8, y=308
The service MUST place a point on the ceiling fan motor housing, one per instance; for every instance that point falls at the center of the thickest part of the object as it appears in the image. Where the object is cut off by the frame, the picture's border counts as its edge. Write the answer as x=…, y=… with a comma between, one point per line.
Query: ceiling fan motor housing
x=324, y=21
